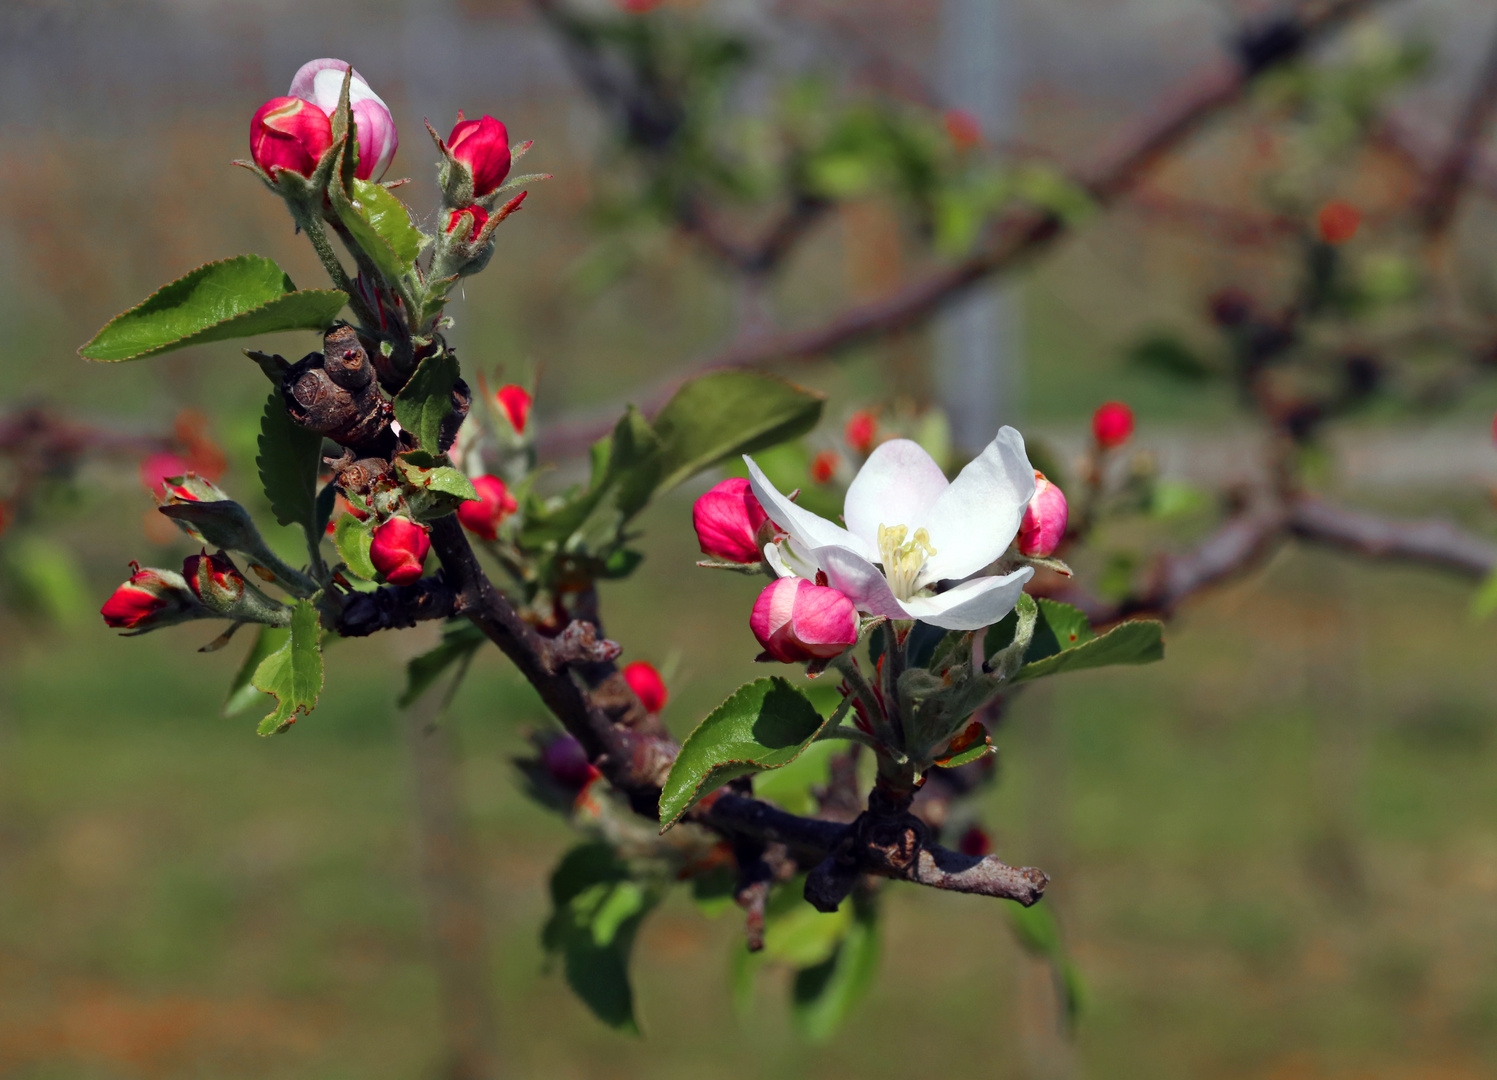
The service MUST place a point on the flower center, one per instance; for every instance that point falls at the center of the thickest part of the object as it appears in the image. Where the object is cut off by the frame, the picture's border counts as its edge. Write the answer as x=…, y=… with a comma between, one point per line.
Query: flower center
x=903, y=561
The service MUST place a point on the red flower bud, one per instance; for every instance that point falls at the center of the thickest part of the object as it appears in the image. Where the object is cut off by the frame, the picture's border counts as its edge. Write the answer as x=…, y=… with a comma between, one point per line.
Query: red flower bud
x=860, y=432
x=1044, y=523
x=729, y=522
x=214, y=580
x=647, y=685
x=289, y=133
x=824, y=467
x=1112, y=424
x=567, y=763
x=1337, y=222
x=399, y=549
x=147, y=599
x=796, y=621
x=515, y=401
x=479, y=216
x=482, y=146
x=963, y=129
x=483, y=516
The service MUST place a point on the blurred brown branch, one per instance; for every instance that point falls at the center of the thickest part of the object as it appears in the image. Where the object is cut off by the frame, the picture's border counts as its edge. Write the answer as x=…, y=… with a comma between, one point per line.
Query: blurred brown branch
x=1450, y=177
x=1022, y=232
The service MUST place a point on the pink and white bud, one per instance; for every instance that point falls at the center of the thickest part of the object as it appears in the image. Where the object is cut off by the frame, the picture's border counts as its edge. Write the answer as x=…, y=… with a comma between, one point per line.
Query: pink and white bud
x=1044, y=524
x=399, y=549
x=290, y=134
x=214, y=580
x=730, y=523
x=515, y=401
x=482, y=147
x=483, y=516
x=321, y=83
x=797, y=621
x=151, y=598
x=648, y=686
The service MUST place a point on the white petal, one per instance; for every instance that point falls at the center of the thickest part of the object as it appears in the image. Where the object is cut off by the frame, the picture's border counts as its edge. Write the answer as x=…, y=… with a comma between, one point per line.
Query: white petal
x=972, y=604
x=859, y=580
x=808, y=530
x=897, y=485
x=978, y=516
x=785, y=561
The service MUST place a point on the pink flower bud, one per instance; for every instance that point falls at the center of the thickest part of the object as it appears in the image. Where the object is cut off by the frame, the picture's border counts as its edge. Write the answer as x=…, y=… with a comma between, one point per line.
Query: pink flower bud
x=148, y=599
x=482, y=146
x=399, y=549
x=483, y=516
x=291, y=134
x=321, y=83
x=647, y=685
x=860, y=432
x=1044, y=523
x=567, y=763
x=515, y=401
x=477, y=214
x=214, y=580
x=729, y=521
x=1112, y=424
x=796, y=621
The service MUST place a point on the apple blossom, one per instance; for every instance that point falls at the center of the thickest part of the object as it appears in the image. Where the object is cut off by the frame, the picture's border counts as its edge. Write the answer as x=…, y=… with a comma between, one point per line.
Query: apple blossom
x=909, y=529
x=797, y=621
x=321, y=83
x=647, y=685
x=730, y=523
x=1044, y=524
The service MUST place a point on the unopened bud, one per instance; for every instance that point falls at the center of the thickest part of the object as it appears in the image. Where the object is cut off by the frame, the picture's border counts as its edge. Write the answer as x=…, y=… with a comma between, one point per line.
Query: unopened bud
x=289, y=134
x=647, y=685
x=483, y=516
x=824, y=467
x=515, y=402
x=860, y=432
x=797, y=621
x=482, y=148
x=150, y=599
x=567, y=763
x=1112, y=425
x=214, y=580
x=729, y=522
x=1044, y=524
x=321, y=83
x=476, y=215
x=1337, y=222
x=974, y=842
x=399, y=549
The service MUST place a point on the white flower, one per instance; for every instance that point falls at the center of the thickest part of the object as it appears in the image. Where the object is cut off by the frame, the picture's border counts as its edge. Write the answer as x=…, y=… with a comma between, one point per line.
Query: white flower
x=905, y=517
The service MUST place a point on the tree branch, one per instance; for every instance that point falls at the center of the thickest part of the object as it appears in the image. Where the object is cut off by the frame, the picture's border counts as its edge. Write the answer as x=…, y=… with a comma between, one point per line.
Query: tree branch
x=1444, y=194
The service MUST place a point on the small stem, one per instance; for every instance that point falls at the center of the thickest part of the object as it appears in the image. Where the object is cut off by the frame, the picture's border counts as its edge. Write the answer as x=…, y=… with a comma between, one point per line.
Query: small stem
x=894, y=664
x=852, y=734
x=848, y=666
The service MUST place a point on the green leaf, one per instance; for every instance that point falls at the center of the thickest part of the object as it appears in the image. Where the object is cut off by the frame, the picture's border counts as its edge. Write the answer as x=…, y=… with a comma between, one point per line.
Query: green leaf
x=427, y=399
x=381, y=225
x=1060, y=626
x=353, y=539
x=416, y=470
x=822, y=997
x=1140, y=642
x=242, y=693
x=727, y=413
x=293, y=673
x=1484, y=600
x=240, y=297
x=460, y=640
x=766, y=724
x=289, y=459
x=596, y=912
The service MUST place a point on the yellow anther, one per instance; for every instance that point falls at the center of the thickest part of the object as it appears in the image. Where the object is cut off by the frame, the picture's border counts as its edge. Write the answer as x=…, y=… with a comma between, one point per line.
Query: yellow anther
x=903, y=561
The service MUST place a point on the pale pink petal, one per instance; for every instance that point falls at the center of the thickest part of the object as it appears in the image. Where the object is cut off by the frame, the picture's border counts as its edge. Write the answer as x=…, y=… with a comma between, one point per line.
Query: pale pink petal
x=977, y=517
x=972, y=604
x=897, y=485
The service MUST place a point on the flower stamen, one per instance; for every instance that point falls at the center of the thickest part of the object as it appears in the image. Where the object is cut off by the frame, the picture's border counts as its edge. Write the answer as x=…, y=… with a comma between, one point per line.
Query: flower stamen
x=903, y=561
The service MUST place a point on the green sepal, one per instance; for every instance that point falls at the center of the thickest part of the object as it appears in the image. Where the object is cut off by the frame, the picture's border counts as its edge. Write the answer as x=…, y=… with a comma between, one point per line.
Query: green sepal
x=765, y=724
x=293, y=673
x=240, y=297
